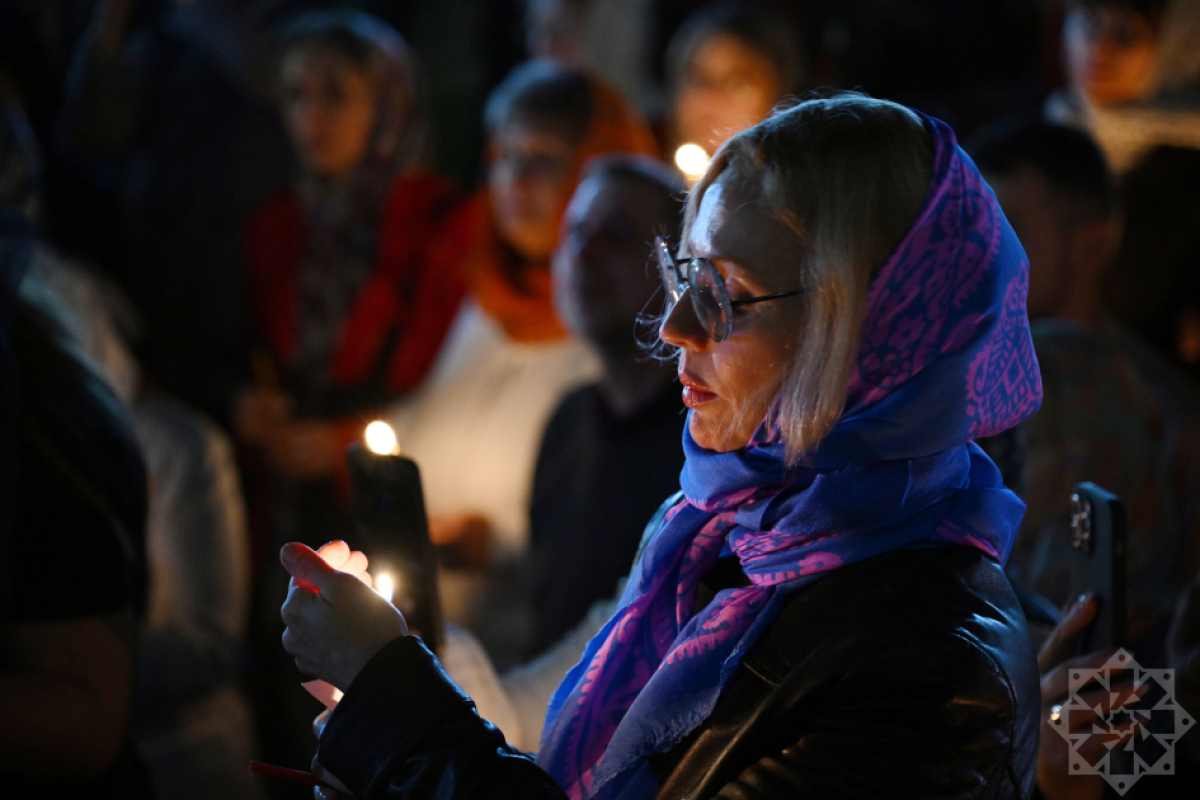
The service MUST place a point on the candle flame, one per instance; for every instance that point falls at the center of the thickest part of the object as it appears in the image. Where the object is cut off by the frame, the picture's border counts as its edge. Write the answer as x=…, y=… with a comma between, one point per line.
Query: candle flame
x=381, y=439
x=692, y=160
x=383, y=586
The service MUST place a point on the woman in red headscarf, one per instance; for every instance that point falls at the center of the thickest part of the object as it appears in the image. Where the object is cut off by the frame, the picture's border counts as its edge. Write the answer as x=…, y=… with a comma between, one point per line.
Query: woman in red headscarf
x=348, y=311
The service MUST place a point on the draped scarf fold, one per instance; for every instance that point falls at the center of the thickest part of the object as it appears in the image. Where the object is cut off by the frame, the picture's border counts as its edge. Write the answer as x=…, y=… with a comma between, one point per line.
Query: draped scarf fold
x=945, y=357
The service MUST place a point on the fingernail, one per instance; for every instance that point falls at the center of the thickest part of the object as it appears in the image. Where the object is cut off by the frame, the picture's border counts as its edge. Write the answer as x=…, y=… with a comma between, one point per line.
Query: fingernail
x=1083, y=598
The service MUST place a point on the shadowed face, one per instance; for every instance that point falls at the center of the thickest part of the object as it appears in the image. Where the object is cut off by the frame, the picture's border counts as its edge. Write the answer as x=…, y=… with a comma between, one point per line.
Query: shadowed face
x=730, y=385
x=329, y=110
x=603, y=276
x=530, y=183
x=1110, y=53
x=725, y=88
x=1033, y=209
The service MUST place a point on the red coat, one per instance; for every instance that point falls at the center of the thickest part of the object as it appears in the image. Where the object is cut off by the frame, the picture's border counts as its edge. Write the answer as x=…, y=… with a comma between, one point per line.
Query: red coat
x=406, y=292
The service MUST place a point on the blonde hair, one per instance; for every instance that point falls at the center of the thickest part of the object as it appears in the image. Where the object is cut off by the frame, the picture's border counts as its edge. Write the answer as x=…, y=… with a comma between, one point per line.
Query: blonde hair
x=848, y=174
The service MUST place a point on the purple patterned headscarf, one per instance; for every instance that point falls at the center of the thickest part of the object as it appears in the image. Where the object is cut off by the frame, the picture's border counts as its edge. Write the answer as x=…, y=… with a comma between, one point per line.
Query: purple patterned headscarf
x=945, y=357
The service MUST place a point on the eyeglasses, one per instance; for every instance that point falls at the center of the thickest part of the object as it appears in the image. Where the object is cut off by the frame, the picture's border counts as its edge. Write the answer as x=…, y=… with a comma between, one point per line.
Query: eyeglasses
x=710, y=298
x=513, y=164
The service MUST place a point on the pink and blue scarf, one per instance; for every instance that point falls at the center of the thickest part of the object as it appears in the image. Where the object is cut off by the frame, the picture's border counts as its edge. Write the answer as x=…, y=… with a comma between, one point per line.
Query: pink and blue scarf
x=946, y=357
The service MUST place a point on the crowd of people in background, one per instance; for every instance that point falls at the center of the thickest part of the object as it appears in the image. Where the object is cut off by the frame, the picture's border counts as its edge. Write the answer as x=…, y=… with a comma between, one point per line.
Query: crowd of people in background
x=234, y=233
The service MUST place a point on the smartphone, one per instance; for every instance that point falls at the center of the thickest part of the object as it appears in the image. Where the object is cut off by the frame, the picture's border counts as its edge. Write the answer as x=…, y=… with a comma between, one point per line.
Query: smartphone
x=1098, y=546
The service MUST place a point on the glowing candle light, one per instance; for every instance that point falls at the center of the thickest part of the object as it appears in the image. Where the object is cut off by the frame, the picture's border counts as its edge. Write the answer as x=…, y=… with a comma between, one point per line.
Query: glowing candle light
x=692, y=160
x=383, y=586
x=381, y=439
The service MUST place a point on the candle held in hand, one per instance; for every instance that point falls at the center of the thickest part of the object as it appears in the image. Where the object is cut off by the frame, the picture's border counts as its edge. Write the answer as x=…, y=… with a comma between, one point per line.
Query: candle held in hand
x=389, y=508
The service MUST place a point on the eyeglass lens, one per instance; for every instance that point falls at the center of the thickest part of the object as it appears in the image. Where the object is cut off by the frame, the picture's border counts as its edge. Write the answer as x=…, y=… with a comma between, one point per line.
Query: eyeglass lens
x=710, y=299
x=669, y=271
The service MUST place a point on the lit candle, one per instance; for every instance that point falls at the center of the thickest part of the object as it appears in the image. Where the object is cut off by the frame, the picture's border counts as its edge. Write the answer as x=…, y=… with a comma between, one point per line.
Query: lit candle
x=692, y=161
x=383, y=586
x=389, y=507
x=381, y=439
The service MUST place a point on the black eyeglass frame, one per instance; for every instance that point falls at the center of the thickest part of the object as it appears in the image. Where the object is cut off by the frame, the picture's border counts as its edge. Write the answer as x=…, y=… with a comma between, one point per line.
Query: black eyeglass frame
x=707, y=289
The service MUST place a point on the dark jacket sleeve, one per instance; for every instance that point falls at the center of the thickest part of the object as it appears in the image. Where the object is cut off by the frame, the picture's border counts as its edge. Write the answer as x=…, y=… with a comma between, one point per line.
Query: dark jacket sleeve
x=405, y=729
x=931, y=717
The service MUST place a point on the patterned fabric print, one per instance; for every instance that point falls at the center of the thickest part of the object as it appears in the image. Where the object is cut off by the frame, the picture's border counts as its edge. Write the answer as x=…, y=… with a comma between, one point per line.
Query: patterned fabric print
x=949, y=305
x=915, y=304
x=946, y=355
x=999, y=387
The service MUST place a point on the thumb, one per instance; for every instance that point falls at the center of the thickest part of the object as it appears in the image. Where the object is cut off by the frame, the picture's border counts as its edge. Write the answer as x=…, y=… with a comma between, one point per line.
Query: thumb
x=308, y=568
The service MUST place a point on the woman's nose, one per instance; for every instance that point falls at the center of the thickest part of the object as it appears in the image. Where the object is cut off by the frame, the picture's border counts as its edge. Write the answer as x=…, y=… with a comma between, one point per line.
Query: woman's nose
x=682, y=328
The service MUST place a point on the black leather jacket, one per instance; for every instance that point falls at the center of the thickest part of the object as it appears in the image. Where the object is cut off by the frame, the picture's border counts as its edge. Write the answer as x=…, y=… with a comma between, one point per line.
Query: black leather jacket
x=908, y=675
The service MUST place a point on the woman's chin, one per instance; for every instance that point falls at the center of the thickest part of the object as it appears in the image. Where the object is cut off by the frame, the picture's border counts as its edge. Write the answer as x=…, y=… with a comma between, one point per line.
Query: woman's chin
x=708, y=433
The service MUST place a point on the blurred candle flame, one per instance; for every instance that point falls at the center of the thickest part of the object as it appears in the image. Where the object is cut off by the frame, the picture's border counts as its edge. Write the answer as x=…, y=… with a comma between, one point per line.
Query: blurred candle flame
x=381, y=439
x=383, y=586
x=692, y=160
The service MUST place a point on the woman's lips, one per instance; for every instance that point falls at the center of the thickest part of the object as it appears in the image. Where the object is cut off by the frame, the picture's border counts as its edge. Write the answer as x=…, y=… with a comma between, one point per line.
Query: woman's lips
x=694, y=393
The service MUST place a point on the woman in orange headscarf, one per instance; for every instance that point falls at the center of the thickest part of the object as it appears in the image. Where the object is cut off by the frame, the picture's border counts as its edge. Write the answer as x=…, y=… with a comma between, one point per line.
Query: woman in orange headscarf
x=544, y=123
x=476, y=424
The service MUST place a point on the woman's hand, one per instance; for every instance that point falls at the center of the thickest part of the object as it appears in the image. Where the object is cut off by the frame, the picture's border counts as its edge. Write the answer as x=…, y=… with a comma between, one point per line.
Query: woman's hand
x=338, y=555
x=1054, y=778
x=300, y=449
x=259, y=413
x=335, y=623
x=306, y=450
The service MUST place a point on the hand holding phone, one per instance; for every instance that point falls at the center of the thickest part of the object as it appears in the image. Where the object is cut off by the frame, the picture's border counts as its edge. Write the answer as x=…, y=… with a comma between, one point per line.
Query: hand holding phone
x=1098, y=544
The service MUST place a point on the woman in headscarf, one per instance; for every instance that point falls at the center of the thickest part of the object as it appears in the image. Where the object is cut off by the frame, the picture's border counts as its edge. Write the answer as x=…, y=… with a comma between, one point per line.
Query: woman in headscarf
x=475, y=427
x=727, y=66
x=822, y=611
x=1133, y=75
x=348, y=311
